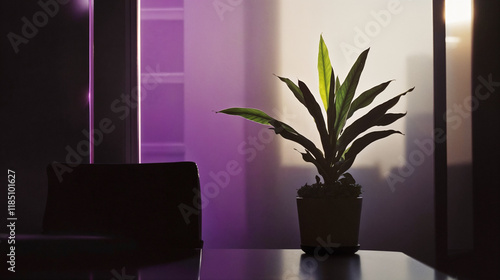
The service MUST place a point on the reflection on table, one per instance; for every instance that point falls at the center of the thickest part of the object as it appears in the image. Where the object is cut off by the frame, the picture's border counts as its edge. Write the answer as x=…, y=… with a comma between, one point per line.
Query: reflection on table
x=52, y=258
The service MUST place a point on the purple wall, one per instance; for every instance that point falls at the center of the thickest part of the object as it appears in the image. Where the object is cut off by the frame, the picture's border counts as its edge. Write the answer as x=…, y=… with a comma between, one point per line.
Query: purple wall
x=214, y=69
x=162, y=91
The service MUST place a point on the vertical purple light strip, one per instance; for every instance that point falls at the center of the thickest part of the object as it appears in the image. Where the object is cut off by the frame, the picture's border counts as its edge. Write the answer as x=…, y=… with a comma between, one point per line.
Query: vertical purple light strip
x=139, y=81
x=91, y=81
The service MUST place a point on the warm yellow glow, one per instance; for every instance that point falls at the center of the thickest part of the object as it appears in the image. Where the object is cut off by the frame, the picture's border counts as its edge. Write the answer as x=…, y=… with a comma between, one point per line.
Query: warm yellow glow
x=453, y=39
x=458, y=11
x=458, y=80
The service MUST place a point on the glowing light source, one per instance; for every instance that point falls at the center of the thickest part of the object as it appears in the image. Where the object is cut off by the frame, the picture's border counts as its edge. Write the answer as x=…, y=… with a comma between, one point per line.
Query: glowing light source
x=452, y=39
x=458, y=77
x=458, y=11
x=139, y=81
x=91, y=79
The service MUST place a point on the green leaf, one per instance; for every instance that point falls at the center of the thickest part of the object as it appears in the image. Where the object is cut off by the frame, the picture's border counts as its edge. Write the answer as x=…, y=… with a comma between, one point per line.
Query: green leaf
x=388, y=119
x=330, y=117
x=298, y=138
x=324, y=71
x=361, y=125
x=366, y=98
x=308, y=157
x=337, y=84
x=349, y=178
x=257, y=116
x=361, y=143
x=375, y=117
x=345, y=165
x=315, y=111
x=294, y=88
x=279, y=127
x=345, y=94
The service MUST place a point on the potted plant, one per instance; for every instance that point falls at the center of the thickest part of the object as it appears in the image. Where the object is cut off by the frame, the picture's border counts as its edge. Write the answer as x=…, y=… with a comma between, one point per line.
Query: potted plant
x=329, y=211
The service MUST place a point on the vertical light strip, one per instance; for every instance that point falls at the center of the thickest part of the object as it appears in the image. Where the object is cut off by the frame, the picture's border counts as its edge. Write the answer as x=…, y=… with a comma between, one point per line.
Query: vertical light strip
x=458, y=79
x=139, y=81
x=91, y=81
x=460, y=105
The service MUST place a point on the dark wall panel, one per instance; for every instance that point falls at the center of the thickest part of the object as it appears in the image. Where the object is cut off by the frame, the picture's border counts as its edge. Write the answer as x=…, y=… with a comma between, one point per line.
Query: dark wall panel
x=43, y=99
x=115, y=80
x=486, y=132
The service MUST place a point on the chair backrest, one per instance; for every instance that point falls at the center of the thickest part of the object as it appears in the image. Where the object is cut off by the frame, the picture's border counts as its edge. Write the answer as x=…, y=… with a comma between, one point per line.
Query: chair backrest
x=138, y=201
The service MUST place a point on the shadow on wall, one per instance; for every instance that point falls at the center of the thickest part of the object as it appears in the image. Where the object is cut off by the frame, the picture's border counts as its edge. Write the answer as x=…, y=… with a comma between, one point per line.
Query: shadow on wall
x=398, y=210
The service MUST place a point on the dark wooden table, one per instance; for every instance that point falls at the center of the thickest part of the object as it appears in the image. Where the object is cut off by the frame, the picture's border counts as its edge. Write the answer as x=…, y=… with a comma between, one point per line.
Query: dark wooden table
x=217, y=264
x=294, y=264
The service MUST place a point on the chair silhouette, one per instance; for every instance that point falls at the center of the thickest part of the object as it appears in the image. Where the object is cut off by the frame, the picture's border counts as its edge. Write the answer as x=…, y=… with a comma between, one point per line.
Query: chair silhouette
x=137, y=202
